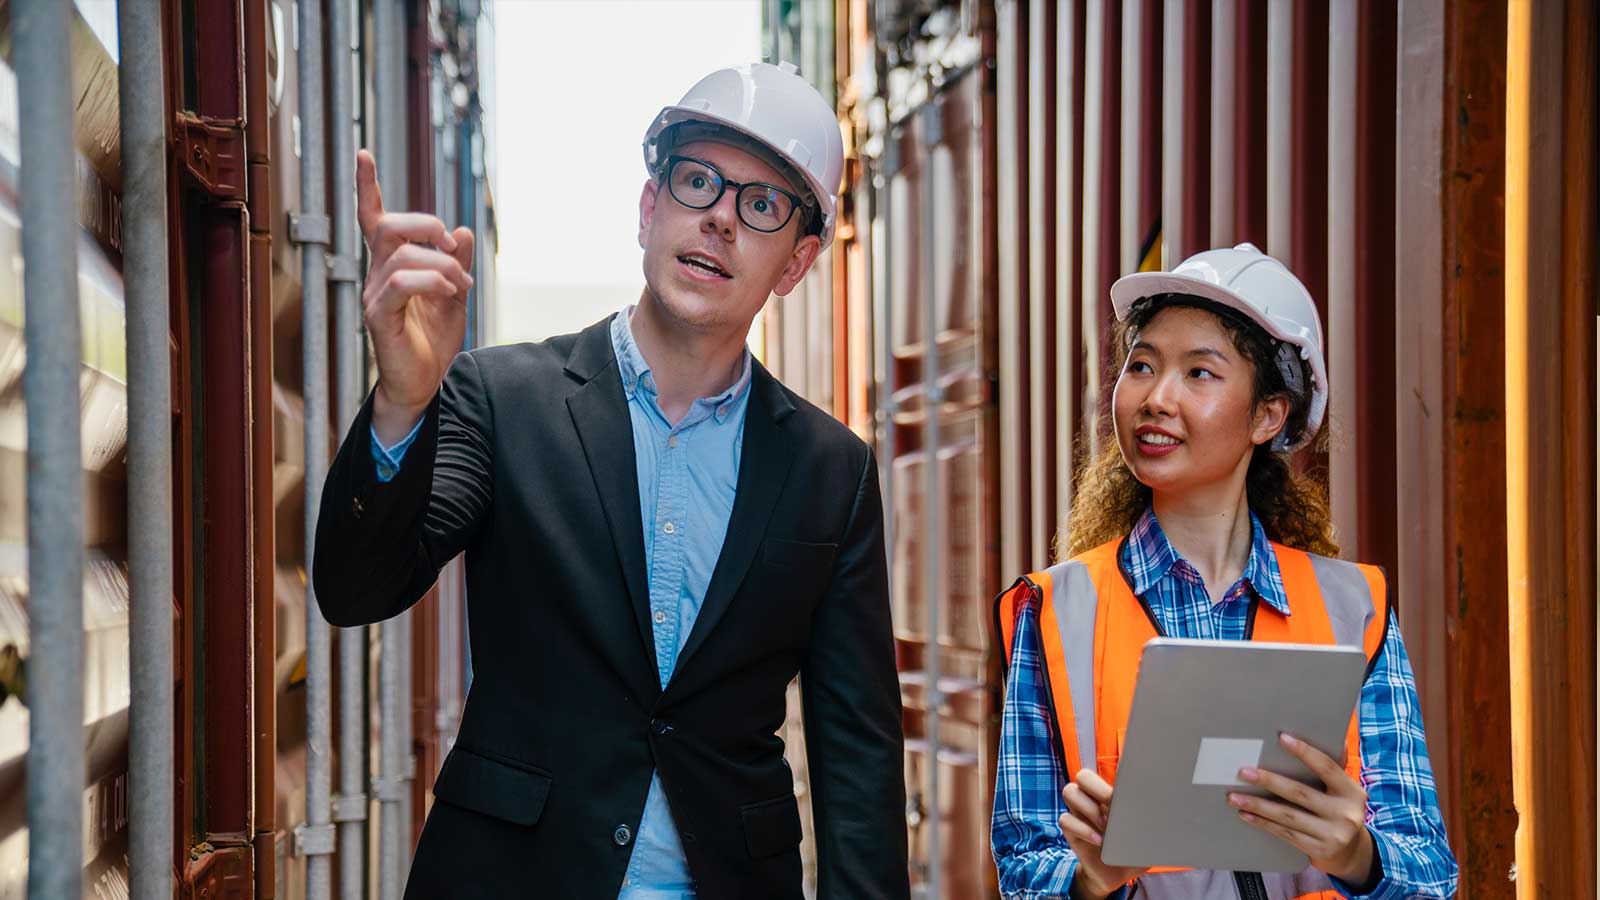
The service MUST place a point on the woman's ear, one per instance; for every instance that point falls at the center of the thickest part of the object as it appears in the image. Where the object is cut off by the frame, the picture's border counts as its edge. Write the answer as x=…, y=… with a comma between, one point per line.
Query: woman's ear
x=1270, y=416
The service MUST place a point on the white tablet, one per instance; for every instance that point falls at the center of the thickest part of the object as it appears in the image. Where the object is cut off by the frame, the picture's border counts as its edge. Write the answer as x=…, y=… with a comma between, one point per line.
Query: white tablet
x=1201, y=711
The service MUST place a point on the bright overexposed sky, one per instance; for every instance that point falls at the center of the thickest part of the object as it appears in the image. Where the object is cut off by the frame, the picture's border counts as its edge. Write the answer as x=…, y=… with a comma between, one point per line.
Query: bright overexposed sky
x=577, y=83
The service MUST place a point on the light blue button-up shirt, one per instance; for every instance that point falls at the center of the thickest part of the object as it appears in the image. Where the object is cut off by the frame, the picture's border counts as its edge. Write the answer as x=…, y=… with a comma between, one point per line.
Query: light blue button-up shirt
x=688, y=473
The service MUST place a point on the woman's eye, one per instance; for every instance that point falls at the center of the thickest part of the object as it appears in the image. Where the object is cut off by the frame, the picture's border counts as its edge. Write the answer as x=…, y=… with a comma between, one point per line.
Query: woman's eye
x=1202, y=374
x=1139, y=366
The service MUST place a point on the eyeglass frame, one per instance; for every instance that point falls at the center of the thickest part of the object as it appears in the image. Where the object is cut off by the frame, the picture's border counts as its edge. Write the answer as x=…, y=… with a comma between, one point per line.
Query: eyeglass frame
x=724, y=183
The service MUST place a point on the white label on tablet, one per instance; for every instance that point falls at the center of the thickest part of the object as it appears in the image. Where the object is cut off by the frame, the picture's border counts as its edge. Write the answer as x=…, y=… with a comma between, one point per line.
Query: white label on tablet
x=1221, y=759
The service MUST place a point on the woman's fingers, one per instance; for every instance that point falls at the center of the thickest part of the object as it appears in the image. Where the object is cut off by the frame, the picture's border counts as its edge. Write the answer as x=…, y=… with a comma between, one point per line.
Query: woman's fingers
x=1332, y=774
x=1293, y=791
x=1093, y=785
x=1077, y=829
x=1083, y=806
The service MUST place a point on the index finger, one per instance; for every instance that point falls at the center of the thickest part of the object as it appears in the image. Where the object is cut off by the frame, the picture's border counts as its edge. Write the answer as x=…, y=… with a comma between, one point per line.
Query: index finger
x=1320, y=763
x=395, y=229
x=369, y=196
x=1090, y=782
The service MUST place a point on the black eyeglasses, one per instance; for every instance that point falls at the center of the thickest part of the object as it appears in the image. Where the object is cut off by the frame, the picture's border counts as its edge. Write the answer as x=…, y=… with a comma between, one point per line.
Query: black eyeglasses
x=698, y=185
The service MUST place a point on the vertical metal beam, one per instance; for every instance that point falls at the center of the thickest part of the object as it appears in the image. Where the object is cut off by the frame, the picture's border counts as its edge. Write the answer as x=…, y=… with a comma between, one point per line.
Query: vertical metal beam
x=388, y=25
x=263, y=540
x=55, y=776
x=1224, y=75
x=1344, y=488
x=1042, y=262
x=316, y=836
x=144, y=278
x=933, y=530
x=1133, y=149
x=1068, y=245
x=1010, y=116
x=350, y=804
x=1280, y=147
x=1551, y=234
x=1094, y=77
x=1174, y=141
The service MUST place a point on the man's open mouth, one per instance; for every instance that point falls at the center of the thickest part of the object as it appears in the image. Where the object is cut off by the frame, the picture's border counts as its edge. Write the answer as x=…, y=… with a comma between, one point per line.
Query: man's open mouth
x=703, y=264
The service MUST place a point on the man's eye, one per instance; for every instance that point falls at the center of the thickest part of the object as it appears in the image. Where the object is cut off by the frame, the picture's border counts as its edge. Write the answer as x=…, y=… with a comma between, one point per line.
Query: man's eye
x=699, y=182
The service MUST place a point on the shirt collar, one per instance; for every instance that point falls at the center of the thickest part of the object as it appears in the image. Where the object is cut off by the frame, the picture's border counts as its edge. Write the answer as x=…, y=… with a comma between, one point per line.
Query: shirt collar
x=636, y=374
x=1150, y=557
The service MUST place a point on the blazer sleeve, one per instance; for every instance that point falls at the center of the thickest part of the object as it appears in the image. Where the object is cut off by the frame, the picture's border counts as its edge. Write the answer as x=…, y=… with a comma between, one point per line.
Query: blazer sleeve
x=380, y=545
x=851, y=697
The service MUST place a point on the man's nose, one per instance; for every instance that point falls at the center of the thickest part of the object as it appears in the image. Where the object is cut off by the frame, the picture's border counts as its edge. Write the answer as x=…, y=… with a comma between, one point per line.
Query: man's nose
x=722, y=215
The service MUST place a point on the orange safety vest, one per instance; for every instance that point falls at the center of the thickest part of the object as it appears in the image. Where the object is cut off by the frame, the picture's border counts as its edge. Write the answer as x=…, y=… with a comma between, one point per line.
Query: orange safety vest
x=1093, y=631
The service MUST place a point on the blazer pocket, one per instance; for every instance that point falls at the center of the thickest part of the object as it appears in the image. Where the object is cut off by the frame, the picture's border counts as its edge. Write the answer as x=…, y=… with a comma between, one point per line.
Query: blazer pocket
x=798, y=555
x=502, y=789
x=771, y=826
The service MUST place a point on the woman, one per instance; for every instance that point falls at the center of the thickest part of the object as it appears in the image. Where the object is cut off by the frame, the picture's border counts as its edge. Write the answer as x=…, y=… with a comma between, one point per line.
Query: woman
x=1222, y=378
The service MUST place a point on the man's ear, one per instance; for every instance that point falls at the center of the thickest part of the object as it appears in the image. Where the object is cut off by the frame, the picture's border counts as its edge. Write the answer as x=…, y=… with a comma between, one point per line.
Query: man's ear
x=800, y=260
x=647, y=209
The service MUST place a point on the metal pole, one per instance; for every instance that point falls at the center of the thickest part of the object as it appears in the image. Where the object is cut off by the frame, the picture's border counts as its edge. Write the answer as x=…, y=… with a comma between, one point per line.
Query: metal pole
x=932, y=135
x=774, y=30
x=56, y=772
x=388, y=18
x=350, y=804
x=144, y=281
x=316, y=838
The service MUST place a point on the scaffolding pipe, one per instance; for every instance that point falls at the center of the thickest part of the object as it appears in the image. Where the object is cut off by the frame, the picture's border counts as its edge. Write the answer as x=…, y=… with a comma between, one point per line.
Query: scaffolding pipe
x=55, y=771
x=932, y=136
x=316, y=838
x=350, y=804
x=388, y=17
x=144, y=283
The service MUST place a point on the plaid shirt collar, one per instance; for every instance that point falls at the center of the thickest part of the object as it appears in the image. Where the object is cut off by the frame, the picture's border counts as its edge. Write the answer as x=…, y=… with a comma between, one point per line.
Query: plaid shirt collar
x=1148, y=558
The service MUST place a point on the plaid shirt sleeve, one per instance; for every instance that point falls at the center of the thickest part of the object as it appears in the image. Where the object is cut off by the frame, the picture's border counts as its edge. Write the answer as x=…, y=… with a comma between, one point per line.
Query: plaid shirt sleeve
x=1402, y=803
x=1031, y=854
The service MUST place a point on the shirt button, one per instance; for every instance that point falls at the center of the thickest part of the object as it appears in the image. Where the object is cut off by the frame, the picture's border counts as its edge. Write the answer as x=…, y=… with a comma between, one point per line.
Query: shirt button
x=622, y=835
x=661, y=618
x=672, y=442
x=722, y=410
x=669, y=528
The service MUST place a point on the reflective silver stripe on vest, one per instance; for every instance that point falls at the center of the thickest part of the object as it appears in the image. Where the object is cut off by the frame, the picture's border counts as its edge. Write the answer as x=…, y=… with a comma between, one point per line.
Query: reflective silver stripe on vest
x=1348, y=598
x=1205, y=884
x=1073, y=594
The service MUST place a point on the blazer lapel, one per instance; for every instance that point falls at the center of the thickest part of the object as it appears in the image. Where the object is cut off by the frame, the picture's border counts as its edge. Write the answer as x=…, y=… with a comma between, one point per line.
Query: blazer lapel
x=599, y=411
x=763, y=467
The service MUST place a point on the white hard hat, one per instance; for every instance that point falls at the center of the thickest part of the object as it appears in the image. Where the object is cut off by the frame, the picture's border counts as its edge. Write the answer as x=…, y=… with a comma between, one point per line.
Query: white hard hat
x=777, y=108
x=1264, y=290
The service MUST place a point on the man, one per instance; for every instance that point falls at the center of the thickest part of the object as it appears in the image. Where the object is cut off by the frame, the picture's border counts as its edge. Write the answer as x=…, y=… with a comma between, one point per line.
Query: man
x=658, y=537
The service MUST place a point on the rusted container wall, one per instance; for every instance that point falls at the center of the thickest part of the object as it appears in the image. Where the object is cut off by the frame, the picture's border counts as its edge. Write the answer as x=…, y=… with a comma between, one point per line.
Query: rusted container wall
x=959, y=167
x=103, y=424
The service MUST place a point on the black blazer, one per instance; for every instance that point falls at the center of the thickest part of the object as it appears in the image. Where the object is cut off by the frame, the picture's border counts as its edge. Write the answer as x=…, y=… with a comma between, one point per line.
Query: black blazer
x=525, y=462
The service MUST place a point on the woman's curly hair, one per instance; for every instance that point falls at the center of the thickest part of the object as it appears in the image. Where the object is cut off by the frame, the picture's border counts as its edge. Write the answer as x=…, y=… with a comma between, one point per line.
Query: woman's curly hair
x=1292, y=506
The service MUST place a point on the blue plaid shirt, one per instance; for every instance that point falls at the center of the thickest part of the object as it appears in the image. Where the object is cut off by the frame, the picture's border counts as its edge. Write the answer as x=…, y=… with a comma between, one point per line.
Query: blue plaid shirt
x=1034, y=859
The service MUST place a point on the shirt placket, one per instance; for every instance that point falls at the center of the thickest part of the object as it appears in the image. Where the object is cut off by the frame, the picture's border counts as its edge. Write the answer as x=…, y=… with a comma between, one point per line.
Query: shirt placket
x=669, y=557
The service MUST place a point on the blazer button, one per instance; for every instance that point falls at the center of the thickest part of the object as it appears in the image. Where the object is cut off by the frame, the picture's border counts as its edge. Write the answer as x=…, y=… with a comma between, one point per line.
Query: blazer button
x=660, y=726
x=356, y=506
x=622, y=835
